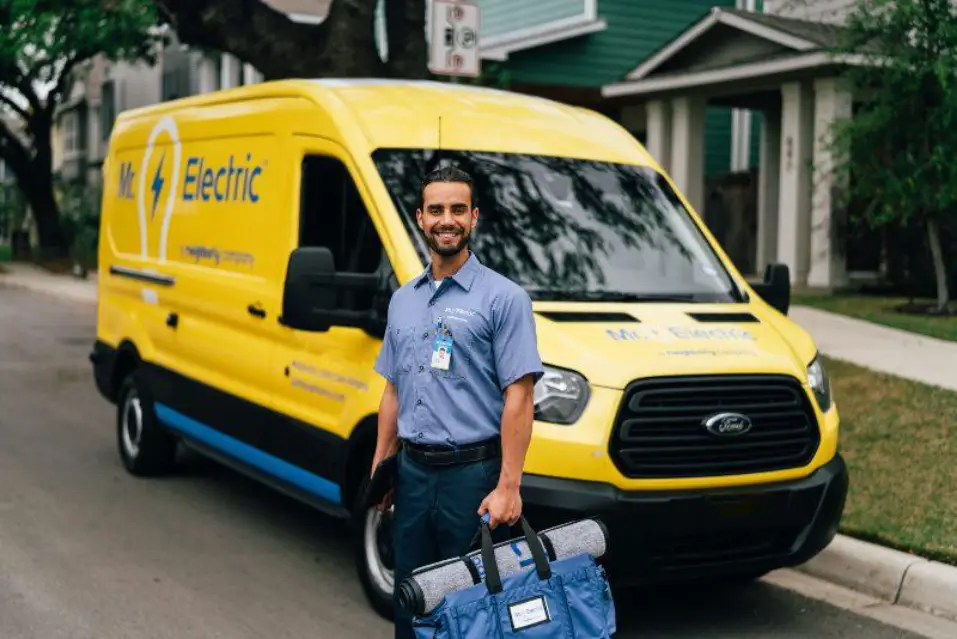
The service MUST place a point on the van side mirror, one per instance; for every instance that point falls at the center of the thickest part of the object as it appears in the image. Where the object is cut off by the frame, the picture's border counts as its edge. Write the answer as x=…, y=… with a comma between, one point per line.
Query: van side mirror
x=311, y=299
x=775, y=289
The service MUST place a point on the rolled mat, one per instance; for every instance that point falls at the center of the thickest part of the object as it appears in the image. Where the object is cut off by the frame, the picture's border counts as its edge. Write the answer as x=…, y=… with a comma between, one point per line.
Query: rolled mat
x=425, y=588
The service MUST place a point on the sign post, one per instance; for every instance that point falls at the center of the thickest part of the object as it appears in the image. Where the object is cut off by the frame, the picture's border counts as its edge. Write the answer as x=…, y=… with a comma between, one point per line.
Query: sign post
x=454, y=49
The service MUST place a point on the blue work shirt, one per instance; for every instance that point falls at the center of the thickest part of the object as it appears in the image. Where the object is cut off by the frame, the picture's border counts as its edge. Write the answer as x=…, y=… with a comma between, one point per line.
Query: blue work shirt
x=494, y=344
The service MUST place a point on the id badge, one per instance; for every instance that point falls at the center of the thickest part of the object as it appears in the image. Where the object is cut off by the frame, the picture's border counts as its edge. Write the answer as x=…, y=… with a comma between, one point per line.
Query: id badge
x=442, y=353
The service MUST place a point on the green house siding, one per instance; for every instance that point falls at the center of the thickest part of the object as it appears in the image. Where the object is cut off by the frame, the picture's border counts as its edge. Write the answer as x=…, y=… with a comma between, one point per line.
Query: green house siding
x=500, y=17
x=636, y=29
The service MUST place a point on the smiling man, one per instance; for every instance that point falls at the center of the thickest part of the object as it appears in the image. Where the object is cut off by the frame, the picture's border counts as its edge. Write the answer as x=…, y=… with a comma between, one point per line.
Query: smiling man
x=460, y=359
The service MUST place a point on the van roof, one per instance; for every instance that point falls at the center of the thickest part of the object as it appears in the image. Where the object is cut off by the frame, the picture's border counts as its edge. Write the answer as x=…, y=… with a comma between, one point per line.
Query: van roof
x=396, y=113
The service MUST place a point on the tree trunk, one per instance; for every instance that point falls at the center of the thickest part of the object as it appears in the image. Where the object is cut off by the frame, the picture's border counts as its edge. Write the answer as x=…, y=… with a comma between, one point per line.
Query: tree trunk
x=46, y=215
x=940, y=269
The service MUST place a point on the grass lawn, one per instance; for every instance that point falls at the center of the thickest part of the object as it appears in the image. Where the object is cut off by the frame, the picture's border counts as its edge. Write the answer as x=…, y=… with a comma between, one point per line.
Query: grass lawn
x=899, y=439
x=6, y=253
x=880, y=310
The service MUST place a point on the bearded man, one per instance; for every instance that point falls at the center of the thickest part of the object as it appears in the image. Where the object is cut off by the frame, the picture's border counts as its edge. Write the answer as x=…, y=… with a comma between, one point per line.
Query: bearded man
x=460, y=358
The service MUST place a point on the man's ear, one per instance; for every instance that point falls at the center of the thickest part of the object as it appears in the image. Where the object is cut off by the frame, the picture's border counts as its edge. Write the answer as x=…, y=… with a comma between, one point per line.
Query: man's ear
x=418, y=218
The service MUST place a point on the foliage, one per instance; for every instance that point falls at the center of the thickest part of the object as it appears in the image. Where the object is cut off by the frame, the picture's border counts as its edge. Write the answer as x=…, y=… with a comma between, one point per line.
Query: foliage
x=42, y=42
x=80, y=210
x=897, y=151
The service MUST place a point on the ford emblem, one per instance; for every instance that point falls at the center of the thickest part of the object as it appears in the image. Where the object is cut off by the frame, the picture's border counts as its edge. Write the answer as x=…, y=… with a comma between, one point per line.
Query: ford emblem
x=727, y=424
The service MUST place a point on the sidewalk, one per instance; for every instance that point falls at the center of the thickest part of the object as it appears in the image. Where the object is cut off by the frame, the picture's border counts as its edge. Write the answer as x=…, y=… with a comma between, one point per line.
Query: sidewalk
x=880, y=348
x=35, y=278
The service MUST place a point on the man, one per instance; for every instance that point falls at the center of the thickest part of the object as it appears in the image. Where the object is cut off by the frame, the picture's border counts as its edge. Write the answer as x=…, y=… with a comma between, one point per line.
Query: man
x=460, y=359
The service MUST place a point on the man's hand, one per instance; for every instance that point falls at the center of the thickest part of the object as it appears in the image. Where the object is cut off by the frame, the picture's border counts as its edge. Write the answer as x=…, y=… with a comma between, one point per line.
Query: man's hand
x=503, y=505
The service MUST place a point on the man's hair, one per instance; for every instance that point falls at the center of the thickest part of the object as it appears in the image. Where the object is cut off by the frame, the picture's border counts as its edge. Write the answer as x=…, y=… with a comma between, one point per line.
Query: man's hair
x=446, y=174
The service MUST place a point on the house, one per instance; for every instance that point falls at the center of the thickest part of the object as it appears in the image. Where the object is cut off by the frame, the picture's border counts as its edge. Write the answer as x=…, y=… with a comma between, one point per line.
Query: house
x=778, y=64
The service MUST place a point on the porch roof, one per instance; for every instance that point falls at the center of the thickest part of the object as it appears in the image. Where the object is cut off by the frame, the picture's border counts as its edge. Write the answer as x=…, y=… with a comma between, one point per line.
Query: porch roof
x=735, y=51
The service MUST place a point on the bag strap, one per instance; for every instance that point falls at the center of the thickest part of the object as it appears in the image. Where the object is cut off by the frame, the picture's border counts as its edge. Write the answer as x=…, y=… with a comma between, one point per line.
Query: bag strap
x=493, y=579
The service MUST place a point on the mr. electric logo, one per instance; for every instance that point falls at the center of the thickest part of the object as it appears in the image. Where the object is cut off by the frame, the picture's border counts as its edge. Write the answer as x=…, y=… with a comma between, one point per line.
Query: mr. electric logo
x=161, y=178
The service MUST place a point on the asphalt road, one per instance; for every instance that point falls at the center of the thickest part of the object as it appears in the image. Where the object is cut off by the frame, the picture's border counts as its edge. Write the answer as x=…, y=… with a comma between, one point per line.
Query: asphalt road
x=86, y=551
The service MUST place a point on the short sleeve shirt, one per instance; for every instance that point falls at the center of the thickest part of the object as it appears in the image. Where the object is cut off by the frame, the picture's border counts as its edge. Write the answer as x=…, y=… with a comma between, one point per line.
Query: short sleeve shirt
x=494, y=344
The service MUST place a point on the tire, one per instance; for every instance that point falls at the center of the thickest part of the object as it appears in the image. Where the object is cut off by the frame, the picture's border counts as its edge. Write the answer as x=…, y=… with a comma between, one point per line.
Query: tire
x=373, y=555
x=146, y=448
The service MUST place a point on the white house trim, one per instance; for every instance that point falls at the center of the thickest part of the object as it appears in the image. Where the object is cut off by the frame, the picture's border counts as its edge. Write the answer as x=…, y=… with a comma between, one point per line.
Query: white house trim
x=717, y=16
x=498, y=48
x=729, y=74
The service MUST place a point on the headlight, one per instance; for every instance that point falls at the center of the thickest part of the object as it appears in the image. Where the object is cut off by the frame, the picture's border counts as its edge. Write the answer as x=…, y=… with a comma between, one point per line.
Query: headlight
x=560, y=396
x=820, y=384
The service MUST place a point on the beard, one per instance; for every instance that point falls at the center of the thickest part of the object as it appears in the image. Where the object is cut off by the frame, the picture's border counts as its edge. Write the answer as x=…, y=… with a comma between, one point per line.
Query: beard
x=448, y=250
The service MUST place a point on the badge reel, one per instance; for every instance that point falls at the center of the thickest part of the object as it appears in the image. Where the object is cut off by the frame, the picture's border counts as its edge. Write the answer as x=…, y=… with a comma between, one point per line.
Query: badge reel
x=442, y=347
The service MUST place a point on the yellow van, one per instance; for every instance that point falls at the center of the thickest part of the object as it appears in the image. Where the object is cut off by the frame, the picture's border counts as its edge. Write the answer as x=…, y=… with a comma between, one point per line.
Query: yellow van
x=251, y=239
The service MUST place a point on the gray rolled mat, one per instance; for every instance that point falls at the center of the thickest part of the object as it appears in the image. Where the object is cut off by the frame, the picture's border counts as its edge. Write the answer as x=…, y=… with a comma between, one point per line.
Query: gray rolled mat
x=426, y=587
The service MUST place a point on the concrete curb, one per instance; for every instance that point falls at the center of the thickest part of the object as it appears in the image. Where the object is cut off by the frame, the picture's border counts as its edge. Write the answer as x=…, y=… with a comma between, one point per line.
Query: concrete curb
x=890, y=575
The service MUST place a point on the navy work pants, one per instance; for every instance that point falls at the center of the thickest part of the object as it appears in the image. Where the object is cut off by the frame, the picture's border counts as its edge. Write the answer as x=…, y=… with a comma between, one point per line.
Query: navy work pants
x=436, y=517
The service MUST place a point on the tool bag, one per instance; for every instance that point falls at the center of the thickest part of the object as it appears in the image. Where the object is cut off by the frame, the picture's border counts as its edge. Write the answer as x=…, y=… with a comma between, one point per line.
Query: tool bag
x=568, y=597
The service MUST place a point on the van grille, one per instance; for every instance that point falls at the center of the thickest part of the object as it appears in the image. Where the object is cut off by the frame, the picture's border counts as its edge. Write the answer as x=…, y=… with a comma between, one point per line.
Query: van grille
x=659, y=430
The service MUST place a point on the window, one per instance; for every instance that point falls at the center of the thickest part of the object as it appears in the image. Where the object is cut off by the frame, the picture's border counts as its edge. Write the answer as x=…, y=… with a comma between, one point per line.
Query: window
x=107, y=108
x=333, y=215
x=70, y=132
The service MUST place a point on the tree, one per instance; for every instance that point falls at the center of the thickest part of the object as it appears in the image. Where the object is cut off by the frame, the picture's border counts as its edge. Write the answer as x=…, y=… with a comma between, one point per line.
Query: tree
x=342, y=45
x=41, y=43
x=897, y=152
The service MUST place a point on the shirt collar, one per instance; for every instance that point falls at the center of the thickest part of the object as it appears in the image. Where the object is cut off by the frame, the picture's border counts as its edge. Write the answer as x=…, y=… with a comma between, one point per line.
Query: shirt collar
x=464, y=277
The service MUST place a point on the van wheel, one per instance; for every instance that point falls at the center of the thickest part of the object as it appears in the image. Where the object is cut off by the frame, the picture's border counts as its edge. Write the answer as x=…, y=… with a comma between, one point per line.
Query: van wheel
x=145, y=447
x=374, y=556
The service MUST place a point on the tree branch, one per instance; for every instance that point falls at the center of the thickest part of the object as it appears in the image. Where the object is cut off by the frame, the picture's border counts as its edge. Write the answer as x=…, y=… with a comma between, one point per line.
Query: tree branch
x=405, y=24
x=23, y=113
x=252, y=31
x=14, y=153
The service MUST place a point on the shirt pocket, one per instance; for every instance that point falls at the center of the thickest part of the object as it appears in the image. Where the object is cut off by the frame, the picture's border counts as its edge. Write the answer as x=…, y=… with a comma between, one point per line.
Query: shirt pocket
x=461, y=361
x=405, y=338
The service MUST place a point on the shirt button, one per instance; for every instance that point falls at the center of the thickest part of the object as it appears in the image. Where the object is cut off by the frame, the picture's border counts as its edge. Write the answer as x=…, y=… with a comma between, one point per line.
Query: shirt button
x=421, y=368
x=432, y=303
x=425, y=335
x=418, y=402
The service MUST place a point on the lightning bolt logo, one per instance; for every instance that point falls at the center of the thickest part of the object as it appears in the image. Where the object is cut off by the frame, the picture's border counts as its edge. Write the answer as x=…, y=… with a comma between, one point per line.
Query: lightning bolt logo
x=157, y=186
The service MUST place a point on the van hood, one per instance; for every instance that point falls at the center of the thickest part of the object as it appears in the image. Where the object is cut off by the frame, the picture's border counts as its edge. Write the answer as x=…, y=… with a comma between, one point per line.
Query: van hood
x=614, y=344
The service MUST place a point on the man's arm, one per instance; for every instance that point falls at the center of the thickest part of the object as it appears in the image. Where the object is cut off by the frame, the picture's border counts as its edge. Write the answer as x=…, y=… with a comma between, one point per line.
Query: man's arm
x=518, y=366
x=388, y=437
x=517, y=417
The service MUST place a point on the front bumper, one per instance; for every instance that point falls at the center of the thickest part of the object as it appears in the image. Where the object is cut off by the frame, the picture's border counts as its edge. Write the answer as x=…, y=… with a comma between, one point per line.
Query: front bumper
x=675, y=536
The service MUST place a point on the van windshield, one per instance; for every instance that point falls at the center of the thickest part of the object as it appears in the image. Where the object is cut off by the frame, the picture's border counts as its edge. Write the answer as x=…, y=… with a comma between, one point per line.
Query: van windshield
x=570, y=229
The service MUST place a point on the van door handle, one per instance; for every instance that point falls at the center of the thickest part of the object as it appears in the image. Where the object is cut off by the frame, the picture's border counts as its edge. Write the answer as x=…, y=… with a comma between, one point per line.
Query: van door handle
x=256, y=310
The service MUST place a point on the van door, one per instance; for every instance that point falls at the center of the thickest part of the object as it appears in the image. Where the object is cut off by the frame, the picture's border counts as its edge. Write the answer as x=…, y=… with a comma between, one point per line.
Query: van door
x=325, y=381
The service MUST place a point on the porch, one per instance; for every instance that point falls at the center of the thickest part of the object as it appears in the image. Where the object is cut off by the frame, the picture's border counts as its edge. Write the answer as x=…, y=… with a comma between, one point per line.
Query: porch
x=782, y=70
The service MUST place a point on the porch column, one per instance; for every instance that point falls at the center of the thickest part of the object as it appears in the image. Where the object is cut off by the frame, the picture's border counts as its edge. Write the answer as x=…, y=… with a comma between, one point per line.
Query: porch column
x=207, y=75
x=769, y=179
x=687, y=148
x=794, y=193
x=658, y=130
x=832, y=103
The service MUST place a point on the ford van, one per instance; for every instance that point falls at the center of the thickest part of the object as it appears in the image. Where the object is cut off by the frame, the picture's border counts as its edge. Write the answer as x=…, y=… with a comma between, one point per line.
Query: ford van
x=251, y=239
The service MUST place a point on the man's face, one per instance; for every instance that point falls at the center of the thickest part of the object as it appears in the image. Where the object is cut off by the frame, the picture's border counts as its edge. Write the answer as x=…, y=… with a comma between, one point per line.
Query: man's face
x=447, y=217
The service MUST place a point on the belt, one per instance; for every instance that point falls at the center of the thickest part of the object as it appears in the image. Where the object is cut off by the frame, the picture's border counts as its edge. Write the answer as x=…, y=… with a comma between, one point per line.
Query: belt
x=439, y=455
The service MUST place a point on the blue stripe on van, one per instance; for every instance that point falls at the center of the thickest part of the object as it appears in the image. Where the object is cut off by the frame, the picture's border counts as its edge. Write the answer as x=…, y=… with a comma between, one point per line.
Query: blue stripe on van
x=265, y=462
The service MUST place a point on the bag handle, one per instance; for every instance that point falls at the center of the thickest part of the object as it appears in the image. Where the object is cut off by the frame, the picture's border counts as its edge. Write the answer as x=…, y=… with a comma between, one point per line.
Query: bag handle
x=493, y=579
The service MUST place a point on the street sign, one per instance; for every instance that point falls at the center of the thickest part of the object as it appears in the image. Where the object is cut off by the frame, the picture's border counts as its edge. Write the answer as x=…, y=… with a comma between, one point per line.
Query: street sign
x=455, y=38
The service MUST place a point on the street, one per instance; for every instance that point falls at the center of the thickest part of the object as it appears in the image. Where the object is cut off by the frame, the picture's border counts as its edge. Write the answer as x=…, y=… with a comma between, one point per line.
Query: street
x=87, y=551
